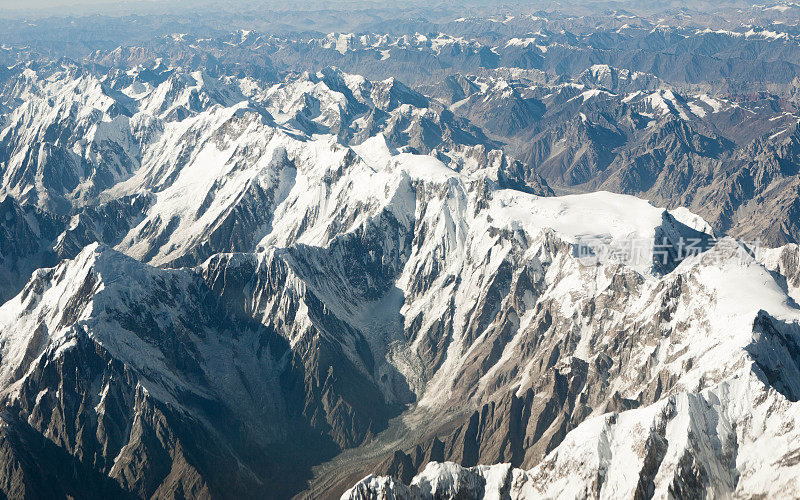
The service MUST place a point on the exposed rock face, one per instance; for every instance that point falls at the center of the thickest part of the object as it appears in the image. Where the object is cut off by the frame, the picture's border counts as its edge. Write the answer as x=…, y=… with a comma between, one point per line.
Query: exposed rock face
x=220, y=277
x=417, y=285
x=26, y=238
x=737, y=169
x=190, y=166
x=126, y=372
x=687, y=445
x=785, y=261
x=703, y=433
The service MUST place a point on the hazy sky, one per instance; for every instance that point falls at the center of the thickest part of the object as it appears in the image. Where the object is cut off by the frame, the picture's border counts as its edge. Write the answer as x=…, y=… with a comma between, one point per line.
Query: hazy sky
x=121, y=6
x=23, y=4
x=60, y=4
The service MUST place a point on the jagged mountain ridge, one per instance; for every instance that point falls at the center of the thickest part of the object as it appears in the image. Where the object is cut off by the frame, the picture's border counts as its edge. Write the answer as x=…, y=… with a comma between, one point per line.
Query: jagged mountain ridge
x=719, y=157
x=361, y=267
x=731, y=162
x=397, y=217
x=686, y=140
x=161, y=137
x=703, y=439
x=307, y=277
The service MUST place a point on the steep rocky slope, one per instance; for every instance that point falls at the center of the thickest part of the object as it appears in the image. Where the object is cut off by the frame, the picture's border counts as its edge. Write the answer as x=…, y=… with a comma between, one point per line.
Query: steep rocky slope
x=721, y=379
x=230, y=269
x=383, y=280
